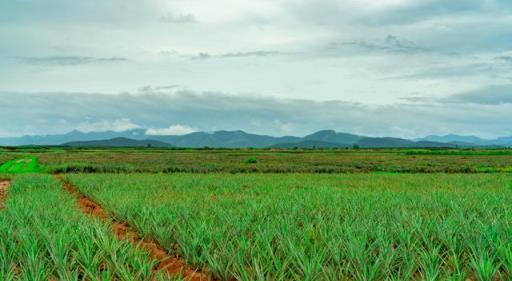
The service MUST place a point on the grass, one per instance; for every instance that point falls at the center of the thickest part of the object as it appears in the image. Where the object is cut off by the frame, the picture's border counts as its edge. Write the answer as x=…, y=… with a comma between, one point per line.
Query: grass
x=4, y=156
x=322, y=227
x=44, y=237
x=20, y=165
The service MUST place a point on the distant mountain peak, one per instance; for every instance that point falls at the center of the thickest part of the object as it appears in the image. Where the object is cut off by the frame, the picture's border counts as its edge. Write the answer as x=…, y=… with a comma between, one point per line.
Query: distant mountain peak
x=331, y=136
x=322, y=133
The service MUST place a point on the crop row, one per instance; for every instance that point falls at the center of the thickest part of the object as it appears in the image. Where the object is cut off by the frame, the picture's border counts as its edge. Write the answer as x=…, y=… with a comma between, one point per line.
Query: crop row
x=322, y=227
x=43, y=236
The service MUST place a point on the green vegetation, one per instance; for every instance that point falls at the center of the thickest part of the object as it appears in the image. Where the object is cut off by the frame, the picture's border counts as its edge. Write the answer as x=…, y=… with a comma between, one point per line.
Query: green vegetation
x=314, y=215
x=44, y=237
x=56, y=160
x=251, y=160
x=322, y=227
x=20, y=165
x=485, y=152
x=4, y=156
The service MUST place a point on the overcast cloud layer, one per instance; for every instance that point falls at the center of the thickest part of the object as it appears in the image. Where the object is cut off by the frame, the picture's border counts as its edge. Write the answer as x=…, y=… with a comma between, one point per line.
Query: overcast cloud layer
x=390, y=67
x=182, y=111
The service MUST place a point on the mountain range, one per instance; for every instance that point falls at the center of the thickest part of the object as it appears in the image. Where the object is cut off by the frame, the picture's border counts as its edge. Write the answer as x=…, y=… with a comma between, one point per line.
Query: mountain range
x=118, y=142
x=239, y=139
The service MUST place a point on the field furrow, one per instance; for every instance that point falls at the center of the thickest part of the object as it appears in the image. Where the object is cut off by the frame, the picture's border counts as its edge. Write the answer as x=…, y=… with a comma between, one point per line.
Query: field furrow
x=43, y=237
x=175, y=266
x=4, y=185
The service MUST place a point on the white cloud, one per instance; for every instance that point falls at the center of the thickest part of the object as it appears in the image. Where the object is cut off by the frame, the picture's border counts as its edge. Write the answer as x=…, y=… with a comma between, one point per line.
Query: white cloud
x=172, y=130
x=118, y=125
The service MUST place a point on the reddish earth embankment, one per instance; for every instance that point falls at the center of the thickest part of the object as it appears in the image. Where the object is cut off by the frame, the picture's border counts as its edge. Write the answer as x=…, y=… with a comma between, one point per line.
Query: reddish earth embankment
x=4, y=185
x=174, y=265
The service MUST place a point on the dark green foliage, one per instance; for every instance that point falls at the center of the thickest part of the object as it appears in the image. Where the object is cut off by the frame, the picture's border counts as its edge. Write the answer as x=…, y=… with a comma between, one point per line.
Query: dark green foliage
x=251, y=160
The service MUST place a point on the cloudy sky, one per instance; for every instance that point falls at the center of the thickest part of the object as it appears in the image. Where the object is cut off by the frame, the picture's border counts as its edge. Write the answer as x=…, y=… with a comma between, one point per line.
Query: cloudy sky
x=406, y=68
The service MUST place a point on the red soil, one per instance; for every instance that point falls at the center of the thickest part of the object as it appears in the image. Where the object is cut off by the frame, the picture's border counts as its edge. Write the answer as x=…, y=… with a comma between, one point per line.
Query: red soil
x=174, y=265
x=4, y=185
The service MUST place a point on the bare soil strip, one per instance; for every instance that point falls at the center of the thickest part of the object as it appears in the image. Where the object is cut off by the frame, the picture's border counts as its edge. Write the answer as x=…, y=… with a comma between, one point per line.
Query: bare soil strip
x=174, y=265
x=4, y=185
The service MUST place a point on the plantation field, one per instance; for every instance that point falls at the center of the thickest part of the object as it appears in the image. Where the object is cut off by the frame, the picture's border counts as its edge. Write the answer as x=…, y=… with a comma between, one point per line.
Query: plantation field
x=150, y=214
x=321, y=227
x=57, y=160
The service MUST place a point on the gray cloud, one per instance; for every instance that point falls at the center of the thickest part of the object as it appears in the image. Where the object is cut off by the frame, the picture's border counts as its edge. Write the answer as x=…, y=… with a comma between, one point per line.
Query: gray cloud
x=492, y=95
x=446, y=71
x=464, y=67
x=76, y=13
x=505, y=59
x=462, y=26
x=332, y=12
x=177, y=18
x=421, y=10
x=215, y=111
x=391, y=44
x=68, y=60
x=159, y=89
x=236, y=55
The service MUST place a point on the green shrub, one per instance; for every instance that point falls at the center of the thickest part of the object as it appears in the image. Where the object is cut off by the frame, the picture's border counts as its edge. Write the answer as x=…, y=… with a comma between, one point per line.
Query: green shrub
x=251, y=160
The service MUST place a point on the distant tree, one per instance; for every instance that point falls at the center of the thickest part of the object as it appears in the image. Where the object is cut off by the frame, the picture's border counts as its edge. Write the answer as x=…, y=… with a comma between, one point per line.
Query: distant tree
x=355, y=146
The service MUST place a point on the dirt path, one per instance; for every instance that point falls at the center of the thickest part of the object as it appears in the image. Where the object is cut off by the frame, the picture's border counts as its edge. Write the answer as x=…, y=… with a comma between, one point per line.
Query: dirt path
x=4, y=185
x=174, y=265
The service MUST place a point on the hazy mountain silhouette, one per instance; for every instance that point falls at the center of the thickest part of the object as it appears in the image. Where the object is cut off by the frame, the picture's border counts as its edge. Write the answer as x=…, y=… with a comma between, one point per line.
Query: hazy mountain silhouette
x=238, y=139
x=118, y=142
x=331, y=136
x=233, y=139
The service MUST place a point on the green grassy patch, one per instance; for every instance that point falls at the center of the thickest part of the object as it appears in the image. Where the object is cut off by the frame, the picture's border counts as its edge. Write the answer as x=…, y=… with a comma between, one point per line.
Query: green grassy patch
x=20, y=165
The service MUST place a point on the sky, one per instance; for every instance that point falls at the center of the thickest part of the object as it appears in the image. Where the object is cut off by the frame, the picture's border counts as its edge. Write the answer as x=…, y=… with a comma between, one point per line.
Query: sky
x=403, y=68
